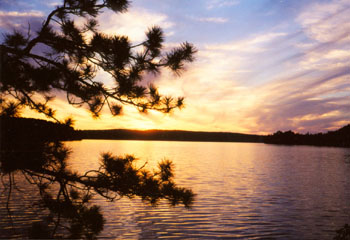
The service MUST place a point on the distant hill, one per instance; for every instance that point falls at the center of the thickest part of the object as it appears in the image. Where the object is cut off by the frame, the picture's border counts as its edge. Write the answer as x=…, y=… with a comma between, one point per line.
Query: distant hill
x=169, y=135
x=338, y=138
x=41, y=130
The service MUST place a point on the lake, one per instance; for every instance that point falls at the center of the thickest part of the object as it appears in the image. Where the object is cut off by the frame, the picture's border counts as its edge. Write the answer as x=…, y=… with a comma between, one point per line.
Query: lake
x=243, y=190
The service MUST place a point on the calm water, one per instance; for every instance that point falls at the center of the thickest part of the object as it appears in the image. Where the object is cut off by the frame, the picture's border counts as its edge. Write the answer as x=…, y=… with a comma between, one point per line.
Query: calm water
x=244, y=190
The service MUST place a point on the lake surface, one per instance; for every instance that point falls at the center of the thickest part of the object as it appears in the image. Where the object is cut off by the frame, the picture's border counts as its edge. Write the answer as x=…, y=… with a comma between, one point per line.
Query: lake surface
x=243, y=190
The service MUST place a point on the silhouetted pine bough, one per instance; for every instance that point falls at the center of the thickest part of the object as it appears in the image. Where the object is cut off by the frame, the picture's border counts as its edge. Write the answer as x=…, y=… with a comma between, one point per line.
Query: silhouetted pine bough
x=63, y=56
x=66, y=193
x=343, y=233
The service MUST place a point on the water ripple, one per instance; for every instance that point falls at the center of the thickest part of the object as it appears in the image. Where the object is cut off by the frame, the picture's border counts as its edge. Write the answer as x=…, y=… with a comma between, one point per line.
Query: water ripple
x=244, y=191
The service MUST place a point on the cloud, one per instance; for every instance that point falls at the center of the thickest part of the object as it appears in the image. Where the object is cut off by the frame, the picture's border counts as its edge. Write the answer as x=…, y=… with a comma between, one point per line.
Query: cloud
x=324, y=22
x=21, y=14
x=304, y=82
x=20, y=20
x=220, y=95
x=304, y=103
x=133, y=23
x=221, y=3
x=215, y=86
x=268, y=81
x=212, y=19
x=312, y=94
x=51, y=3
x=256, y=43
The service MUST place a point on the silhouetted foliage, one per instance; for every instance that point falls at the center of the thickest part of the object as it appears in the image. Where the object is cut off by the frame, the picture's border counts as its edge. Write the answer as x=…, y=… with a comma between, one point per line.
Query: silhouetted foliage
x=67, y=193
x=72, y=57
x=338, y=138
x=63, y=56
x=343, y=233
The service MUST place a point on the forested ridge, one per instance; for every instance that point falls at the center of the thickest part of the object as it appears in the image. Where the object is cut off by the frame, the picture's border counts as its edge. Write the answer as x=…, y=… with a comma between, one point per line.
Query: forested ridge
x=338, y=138
x=169, y=135
x=46, y=130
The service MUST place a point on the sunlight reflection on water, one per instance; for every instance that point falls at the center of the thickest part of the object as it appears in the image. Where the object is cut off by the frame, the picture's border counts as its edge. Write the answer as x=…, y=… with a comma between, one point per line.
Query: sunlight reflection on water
x=244, y=190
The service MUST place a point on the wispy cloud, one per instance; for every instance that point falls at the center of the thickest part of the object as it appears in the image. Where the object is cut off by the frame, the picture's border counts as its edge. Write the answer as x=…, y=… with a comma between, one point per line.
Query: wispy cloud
x=309, y=91
x=133, y=23
x=212, y=19
x=19, y=20
x=219, y=98
x=21, y=14
x=324, y=22
x=255, y=43
x=221, y=3
x=305, y=102
x=293, y=75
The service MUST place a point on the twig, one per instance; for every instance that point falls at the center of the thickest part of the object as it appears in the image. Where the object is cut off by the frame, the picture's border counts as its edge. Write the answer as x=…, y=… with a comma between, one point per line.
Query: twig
x=8, y=202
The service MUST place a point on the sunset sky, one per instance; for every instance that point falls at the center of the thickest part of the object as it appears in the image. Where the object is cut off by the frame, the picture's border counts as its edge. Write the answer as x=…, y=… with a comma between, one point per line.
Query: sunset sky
x=261, y=66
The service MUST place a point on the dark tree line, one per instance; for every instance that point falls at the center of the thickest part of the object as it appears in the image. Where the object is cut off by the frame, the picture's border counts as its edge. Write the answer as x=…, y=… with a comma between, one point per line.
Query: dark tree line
x=338, y=138
x=168, y=135
x=41, y=129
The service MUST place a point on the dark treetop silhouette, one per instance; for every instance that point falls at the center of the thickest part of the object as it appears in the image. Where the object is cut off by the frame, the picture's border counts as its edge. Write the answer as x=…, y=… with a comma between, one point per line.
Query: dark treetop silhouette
x=61, y=56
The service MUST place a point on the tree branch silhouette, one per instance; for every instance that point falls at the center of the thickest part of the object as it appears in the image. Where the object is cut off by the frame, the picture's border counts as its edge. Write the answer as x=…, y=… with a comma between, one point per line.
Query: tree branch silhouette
x=74, y=54
x=65, y=57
